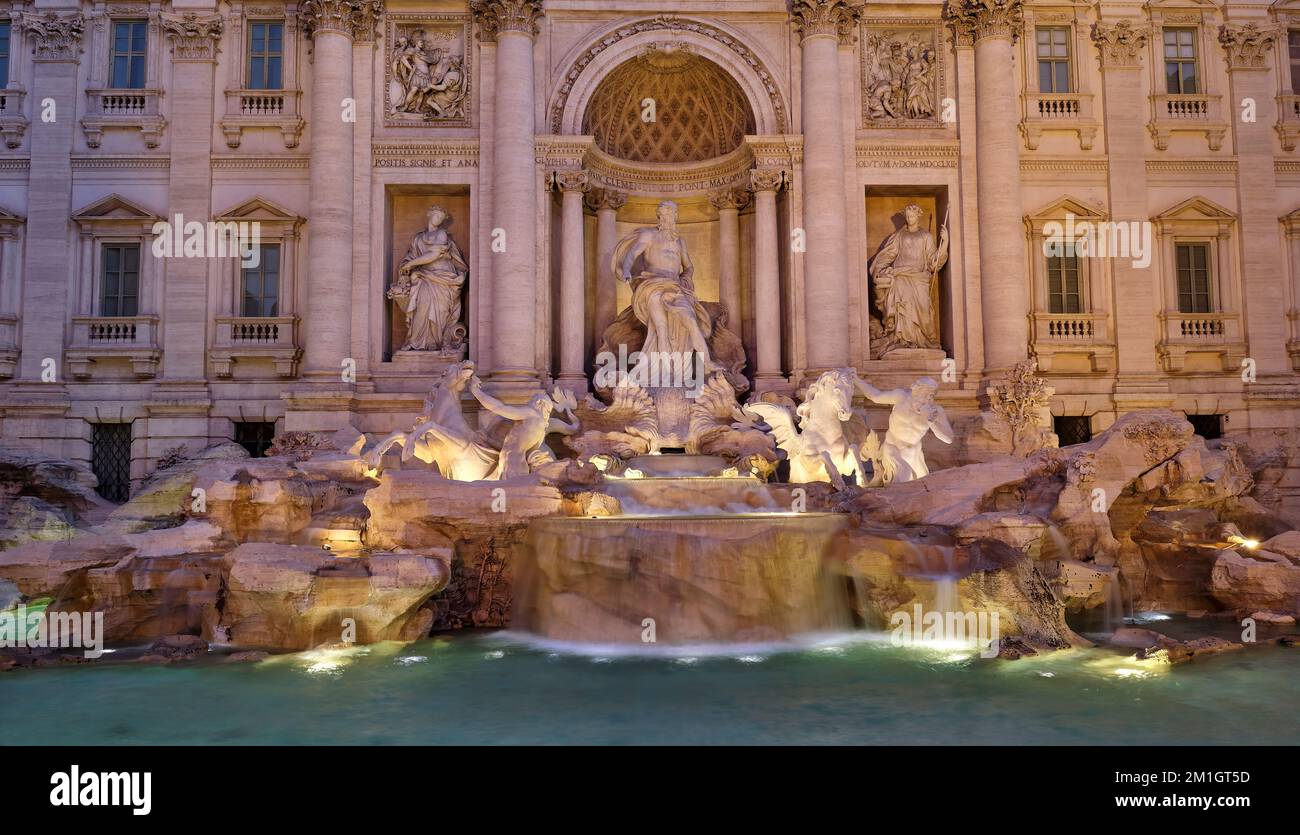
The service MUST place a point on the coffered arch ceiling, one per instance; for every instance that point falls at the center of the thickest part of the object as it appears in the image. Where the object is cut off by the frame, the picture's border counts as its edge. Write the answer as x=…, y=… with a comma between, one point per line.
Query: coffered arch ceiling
x=700, y=112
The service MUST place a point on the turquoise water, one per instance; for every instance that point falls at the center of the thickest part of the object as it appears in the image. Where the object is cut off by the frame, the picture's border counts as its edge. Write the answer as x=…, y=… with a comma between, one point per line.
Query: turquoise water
x=489, y=689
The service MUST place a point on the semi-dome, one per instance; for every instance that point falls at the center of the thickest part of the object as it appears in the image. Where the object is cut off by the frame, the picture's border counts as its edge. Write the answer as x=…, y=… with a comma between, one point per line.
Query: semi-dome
x=700, y=112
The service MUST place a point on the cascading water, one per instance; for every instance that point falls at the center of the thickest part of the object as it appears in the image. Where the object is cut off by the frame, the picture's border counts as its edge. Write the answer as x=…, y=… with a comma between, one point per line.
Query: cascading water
x=697, y=560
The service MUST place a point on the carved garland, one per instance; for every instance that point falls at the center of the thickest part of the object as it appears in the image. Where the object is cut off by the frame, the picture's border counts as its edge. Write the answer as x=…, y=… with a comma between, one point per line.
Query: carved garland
x=194, y=38
x=56, y=38
x=672, y=24
x=1247, y=47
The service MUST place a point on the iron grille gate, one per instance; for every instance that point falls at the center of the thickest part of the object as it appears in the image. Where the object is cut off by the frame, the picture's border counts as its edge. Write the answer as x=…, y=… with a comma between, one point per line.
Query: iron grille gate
x=110, y=458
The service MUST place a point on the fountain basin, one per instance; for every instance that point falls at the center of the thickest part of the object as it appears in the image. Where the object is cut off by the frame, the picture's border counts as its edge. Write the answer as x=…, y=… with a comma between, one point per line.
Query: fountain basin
x=679, y=579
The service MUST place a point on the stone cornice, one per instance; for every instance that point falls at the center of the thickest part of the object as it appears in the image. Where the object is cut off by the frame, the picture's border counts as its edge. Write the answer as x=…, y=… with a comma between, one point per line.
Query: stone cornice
x=449, y=154
x=193, y=38
x=1247, y=47
x=908, y=156
x=824, y=17
x=354, y=18
x=55, y=38
x=1120, y=44
x=497, y=16
x=974, y=20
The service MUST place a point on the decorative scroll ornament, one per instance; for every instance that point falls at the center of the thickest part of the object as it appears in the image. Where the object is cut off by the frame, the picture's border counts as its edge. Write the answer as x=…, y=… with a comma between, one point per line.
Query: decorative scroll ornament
x=56, y=38
x=1247, y=46
x=571, y=180
x=976, y=19
x=767, y=179
x=354, y=18
x=496, y=16
x=1121, y=44
x=824, y=17
x=194, y=38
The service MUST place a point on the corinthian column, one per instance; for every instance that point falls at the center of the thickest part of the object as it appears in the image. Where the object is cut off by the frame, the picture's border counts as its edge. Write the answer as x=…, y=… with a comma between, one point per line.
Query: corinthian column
x=56, y=41
x=573, y=280
x=729, y=203
x=605, y=203
x=1120, y=47
x=994, y=26
x=1248, y=50
x=821, y=23
x=330, y=24
x=512, y=24
x=767, y=281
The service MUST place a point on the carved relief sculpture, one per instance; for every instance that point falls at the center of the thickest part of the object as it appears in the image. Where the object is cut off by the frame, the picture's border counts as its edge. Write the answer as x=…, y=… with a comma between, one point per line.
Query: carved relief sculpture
x=428, y=287
x=427, y=77
x=904, y=275
x=899, y=76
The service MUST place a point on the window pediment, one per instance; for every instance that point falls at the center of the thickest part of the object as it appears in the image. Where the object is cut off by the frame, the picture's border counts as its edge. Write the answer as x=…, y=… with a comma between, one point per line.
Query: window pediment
x=115, y=210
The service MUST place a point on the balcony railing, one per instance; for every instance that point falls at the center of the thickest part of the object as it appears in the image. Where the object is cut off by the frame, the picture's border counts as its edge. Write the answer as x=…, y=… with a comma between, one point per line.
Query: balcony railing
x=13, y=124
x=1288, y=121
x=271, y=338
x=8, y=346
x=275, y=109
x=127, y=109
x=1208, y=334
x=1199, y=112
x=1072, y=342
x=1058, y=111
x=96, y=339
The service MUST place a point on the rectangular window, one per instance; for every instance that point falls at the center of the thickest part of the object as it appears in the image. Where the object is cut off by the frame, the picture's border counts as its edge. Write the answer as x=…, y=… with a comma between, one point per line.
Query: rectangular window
x=255, y=436
x=1072, y=429
x=1208, y=427
x=1053, y=44
x=265, y=55
x=110, y=460
x=119, y=280
x=1180, y=61
x=128, y=55
x=1293, y=52
x=1193, y=277
x=1063, y=288
x=261, y=284
x=4, y=53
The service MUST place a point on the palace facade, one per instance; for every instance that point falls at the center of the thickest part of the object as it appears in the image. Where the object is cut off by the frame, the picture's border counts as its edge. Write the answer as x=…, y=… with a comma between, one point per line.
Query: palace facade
x=792, y=137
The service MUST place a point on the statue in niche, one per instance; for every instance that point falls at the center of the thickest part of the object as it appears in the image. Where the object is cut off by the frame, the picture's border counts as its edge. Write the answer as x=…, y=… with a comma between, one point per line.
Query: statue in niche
x=899, y=78
x=905, y=275
x=430, y=80
x=899, y=457
x=665, y=317
x=428, y=288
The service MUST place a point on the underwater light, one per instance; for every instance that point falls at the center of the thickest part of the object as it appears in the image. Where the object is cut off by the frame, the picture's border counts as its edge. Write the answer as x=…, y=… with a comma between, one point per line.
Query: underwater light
x=1243, y=541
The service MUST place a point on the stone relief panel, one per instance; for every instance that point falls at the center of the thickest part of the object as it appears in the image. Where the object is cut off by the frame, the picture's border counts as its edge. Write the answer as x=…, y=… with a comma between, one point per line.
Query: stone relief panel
x=902, y=74
x=427, y=71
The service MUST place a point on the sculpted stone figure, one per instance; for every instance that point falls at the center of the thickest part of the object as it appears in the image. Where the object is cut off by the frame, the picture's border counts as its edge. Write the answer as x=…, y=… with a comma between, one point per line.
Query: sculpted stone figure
x=818, y=449
x=654, y=260
x=899, y=78
x=428, y=287
x=905, y=277
x=899, y=457
x=524, y=445
x=441, y=435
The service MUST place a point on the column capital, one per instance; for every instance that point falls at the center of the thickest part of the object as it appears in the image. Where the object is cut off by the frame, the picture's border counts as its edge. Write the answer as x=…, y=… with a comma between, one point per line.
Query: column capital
x=193, y=38
x=974, y=20
x=1247, y=47
x=354, y=18
x=768, y=179
x=497, y=16
x=734, y=199
x=1120, y=44
x=56, y=38
x=605, y=198
x=824, y=17
x=569, y=180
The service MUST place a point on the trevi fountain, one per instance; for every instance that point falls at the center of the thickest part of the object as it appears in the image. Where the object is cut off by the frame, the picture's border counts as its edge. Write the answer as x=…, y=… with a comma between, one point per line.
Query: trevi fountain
x=640, y=372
